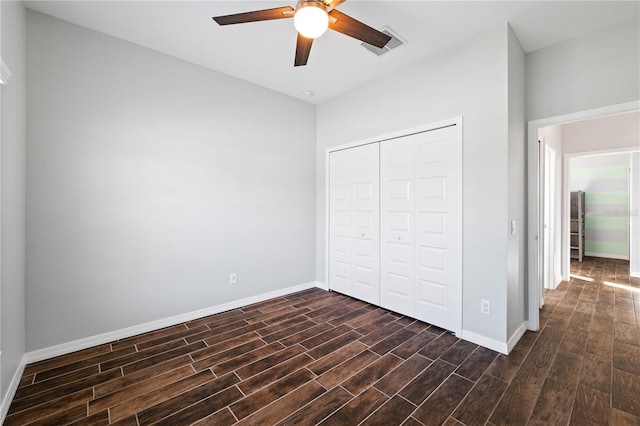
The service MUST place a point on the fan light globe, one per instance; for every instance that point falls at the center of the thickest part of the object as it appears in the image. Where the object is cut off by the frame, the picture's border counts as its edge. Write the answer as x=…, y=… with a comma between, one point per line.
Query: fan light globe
x=311, y=19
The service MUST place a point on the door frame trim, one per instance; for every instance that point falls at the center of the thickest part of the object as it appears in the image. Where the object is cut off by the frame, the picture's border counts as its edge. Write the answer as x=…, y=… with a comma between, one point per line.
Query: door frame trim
x=533, y=198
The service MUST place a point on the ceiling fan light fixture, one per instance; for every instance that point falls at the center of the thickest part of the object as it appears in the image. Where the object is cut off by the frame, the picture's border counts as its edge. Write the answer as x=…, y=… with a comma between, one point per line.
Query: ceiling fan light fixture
x=311, y=18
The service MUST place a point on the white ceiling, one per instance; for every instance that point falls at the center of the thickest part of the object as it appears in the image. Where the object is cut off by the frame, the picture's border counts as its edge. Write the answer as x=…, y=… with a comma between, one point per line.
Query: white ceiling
x=263, y=52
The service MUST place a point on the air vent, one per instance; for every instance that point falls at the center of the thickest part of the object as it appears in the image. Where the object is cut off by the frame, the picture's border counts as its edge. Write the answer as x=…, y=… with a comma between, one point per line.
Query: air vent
x=395, y=42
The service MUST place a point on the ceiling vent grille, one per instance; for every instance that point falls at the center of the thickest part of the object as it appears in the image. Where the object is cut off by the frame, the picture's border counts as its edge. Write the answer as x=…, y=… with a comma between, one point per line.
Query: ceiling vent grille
x=396, y=41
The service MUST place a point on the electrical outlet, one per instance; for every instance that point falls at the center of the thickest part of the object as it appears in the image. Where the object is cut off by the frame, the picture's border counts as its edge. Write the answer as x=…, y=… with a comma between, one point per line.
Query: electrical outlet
x=485, y=307
x=233, y=278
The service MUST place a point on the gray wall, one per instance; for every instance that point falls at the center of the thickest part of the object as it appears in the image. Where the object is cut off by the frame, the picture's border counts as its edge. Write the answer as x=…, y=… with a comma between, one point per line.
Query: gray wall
x=469, y=80
x=149, y=180
x=591, y=71
x=13, y=192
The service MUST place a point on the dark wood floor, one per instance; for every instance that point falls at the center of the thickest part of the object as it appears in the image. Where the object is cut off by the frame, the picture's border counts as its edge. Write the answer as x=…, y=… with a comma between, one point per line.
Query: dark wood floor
x=315, y=357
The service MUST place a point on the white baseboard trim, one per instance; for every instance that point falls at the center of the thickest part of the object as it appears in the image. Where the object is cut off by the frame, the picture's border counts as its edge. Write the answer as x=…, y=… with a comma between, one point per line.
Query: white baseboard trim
x=11, y=390
x=322, y=285
x=606, y=255
x=515, y=337
x=481, y=340
x=635, y=274
x=100, y=339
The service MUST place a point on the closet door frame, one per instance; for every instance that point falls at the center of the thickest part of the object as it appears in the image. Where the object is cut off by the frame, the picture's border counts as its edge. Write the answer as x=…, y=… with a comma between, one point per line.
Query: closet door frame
x=457, y=122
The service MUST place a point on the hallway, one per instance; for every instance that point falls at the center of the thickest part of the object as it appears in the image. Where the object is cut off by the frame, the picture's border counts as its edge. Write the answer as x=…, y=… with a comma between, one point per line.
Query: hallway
x=588, y=350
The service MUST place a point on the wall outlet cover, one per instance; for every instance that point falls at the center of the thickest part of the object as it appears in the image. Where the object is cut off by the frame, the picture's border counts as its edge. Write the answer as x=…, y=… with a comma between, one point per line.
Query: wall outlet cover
x=485, y=306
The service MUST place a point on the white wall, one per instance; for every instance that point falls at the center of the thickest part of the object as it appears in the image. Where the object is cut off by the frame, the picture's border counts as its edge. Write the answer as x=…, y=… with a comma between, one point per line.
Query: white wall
x=12, y=189
x=620, y=131
x=149, y=180
x=469, y=80
x=516, y=243
x=590, y=71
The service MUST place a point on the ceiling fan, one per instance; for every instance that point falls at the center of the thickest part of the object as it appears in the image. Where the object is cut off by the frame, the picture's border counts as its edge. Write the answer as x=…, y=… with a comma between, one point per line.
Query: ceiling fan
x=311, y=19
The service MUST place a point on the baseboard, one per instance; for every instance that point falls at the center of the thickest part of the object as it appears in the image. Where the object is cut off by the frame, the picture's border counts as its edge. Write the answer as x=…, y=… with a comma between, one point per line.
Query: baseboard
x=515, y=337
x=485, y=341
x=11, y=390
x=322, y=285
x=606, y=256
x=557, y=281
x=634, y=274
x=100, y=339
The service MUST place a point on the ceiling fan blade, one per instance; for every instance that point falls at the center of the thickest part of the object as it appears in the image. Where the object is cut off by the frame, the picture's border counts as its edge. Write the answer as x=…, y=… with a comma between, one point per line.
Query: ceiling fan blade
x=256, y=15
x=353, y=28
x=332, y=4
x=303, y=47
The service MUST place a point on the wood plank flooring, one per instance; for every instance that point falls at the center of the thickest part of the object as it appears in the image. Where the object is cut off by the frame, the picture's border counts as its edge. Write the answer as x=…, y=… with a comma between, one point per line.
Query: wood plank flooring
x=323, y=358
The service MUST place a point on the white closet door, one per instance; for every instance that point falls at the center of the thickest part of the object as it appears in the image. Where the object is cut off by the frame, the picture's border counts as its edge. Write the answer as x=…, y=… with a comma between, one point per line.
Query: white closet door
x=397, y=225
x=421, y=253
x=340, y=222
x=438, y=219
x=354, y=243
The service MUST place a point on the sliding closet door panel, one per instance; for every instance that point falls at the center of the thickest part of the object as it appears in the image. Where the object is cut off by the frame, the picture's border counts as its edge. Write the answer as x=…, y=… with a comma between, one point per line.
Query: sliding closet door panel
x=420, y=222
x=397, y=225
x=366, y=218
x=437, y=220
x=341, y=250
x=354, y=243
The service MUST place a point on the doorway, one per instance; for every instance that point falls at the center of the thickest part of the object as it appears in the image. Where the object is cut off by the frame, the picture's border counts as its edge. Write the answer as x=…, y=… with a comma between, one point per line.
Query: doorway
x=604, y=178
x=538, y=275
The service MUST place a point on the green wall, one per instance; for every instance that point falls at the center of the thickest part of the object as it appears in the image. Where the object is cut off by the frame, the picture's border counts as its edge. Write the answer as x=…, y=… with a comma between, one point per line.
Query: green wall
x=604, y=179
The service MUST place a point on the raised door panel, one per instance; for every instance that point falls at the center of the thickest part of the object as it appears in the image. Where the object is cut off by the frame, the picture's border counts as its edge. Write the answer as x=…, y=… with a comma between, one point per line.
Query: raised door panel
x=365, y=182
x=354, y=251
x=438, y=228
x=340, y=222
x=397, y=225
